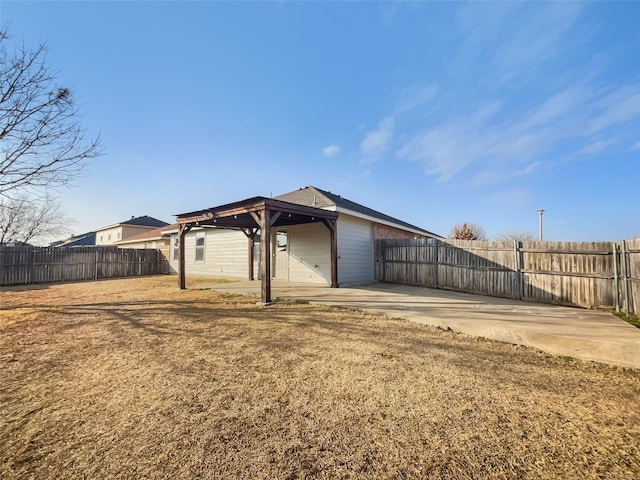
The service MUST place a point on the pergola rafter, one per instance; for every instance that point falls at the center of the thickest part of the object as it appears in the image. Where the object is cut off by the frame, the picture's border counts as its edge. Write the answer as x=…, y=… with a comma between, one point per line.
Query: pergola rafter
x=251, y=215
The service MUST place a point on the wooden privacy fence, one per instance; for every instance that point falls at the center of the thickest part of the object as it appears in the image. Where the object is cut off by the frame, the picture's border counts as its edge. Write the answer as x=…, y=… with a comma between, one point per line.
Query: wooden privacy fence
x=28, y=265
x=592, y=275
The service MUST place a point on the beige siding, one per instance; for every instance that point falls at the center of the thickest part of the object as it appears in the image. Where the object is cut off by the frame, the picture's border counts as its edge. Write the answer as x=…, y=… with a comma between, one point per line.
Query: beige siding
x=129, y=231
x=225, y=254
x=109, y=236
x=309, y=253
x=355, y=250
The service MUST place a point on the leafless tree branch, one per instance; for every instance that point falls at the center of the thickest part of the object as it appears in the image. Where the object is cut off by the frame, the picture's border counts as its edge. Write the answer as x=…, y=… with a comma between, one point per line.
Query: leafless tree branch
x=518, y=235
x=27, y=219
x=467, y=231
x=42, y=142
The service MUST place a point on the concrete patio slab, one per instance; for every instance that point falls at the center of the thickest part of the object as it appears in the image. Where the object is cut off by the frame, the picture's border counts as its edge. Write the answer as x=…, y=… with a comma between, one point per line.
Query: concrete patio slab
x=575, y=332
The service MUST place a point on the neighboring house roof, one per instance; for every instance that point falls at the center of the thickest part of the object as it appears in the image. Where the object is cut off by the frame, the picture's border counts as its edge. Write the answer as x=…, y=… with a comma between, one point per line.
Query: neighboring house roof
x=15, y=244
x=149, y=235
x=144, y=221
x=82, y=240
x=316, y=197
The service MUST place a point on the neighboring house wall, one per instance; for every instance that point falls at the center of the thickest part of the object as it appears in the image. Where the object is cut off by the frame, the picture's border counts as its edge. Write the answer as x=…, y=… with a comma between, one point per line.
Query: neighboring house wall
x=129, y=231
x=225, y=254
x=109, y=236
x=355, y=250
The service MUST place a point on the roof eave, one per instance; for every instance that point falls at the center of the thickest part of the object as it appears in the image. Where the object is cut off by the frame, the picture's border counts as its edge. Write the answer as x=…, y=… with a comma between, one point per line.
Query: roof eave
x=399, y=226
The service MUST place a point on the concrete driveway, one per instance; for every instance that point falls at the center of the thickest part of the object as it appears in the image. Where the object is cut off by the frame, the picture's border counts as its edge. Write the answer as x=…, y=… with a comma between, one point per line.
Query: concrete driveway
x=575, y=332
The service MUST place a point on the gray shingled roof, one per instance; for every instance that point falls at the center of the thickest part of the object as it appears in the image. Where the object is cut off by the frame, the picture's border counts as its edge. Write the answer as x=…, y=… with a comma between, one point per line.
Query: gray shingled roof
x=144, y=221
x=316, y=197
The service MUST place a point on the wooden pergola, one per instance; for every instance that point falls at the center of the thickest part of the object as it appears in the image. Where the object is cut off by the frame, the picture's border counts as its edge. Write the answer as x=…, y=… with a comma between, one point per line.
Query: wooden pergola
x=253, y=215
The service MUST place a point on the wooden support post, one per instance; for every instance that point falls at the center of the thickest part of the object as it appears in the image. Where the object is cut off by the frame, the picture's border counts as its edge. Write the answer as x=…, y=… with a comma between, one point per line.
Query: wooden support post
x=183, y=229
x=251, y=238
x=251, y=241
x=265, y=257
x=332, y=225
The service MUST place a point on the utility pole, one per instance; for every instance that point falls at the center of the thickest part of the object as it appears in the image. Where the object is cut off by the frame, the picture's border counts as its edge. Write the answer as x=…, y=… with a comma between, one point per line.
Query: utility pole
x=540, y=212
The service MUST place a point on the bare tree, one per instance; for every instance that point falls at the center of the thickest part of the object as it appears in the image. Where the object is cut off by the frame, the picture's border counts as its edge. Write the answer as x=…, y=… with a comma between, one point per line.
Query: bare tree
x=518, y=235
x=42, y=143
x=467, y=231
x=24, y=219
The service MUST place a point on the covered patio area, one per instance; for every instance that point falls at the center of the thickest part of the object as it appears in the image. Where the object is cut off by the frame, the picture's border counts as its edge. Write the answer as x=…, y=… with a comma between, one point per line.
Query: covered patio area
x=253, y=215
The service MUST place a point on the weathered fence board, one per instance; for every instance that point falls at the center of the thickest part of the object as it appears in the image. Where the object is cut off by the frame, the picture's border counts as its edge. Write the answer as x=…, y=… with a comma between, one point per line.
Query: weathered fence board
x=30, y=265
x=592, y=275
x=633, y=271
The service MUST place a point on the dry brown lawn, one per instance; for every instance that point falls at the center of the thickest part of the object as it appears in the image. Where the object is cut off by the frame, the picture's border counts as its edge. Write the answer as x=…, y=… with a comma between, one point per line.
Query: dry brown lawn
x=135, y=379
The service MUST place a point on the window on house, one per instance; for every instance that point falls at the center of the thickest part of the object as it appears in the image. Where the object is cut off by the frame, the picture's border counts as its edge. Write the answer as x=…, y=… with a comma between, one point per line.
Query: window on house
x=101, y=237
x=175, y=247
x=200, y=247
x=281, y=241
x=109, y=237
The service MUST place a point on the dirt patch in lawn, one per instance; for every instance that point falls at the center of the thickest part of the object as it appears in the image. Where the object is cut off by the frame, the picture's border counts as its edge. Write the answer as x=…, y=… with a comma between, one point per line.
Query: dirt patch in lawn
x=134, y=379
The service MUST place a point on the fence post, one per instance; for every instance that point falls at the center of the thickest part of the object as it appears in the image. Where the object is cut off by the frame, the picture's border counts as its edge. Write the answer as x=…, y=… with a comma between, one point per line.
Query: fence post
x=435, y=263
x=376, y=265
x=95, y=276
x=517, y=267
x=616, y=283
x=625, y=276
x=32, y=270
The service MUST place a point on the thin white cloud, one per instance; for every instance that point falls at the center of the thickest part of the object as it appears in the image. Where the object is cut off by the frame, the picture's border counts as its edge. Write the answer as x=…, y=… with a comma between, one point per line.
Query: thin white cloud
x=331, y=150
x=443, y=152
x=415, y=96
x=376, y=142
x=511, y=32
x=539, y=108
x=502, y=137
x=487, y=177
x=617, y=107
x=527, y=49
x=449, y=148
x=636, y=146
x=593, y=148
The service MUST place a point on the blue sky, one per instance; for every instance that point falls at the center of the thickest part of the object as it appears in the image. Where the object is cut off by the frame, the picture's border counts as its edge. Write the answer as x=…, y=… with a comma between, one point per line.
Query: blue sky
x=436, y=113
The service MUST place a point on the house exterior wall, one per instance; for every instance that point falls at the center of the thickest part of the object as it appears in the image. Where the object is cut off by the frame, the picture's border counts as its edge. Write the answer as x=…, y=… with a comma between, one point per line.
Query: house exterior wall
x=225, y=254
x=309, y=252
x=355, y=250
x=307, y=257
